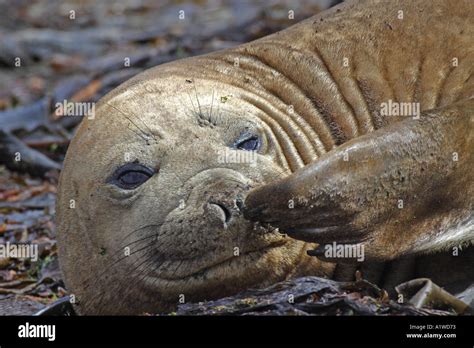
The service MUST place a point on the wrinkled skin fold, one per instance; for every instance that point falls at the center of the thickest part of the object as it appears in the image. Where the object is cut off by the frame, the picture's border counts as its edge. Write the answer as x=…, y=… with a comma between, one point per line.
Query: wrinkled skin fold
x=404, y=188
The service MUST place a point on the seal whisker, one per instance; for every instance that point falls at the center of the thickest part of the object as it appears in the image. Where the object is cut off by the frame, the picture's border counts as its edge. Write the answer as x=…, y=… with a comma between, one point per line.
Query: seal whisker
x=118, y=286
x=114, y=261
x=147, y=260
x=138, y=229
x=149, y=257
x=197, y=100
x=138, y=134
x=196, y=113
x=210, y=111
x=128, y=118
x=152, y=133
x=140, y=275
x=93, y=278
x=140, y=240
x=177, y=267
x=193, y=112
x=218, y=110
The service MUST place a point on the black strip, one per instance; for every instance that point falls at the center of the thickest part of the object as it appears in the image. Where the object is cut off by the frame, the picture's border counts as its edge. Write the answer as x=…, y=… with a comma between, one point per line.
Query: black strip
x=257, y=330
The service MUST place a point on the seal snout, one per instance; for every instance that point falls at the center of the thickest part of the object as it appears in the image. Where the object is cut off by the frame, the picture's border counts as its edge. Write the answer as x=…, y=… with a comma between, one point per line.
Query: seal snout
x=256, y=205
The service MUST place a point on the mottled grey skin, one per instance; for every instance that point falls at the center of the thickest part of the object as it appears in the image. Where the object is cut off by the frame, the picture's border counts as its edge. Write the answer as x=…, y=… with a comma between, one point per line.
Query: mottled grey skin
x=297, y=91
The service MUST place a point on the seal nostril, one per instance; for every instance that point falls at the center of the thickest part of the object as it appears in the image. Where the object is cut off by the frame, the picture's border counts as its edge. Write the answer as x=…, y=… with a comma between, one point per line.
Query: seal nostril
x=227, y=213
x=239, y=203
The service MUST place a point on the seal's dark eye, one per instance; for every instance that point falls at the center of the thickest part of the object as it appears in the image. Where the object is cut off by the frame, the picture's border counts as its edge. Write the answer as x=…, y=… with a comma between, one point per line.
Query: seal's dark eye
x=248, y=143
x=131, y=175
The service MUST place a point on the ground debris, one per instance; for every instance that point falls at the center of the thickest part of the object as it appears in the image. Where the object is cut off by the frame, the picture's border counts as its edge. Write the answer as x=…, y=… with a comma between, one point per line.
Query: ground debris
x=308, y=296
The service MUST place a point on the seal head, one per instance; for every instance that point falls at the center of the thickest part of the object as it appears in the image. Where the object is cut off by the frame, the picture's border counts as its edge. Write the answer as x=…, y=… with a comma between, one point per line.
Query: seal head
x=148, y=212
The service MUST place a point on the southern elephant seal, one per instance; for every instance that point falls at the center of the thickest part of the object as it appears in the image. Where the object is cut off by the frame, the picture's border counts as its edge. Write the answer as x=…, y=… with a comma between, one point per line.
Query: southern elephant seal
x=149, y=202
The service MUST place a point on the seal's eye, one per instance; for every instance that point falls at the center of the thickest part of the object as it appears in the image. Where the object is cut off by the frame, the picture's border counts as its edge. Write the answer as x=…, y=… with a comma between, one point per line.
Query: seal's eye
x=248, y=143
x=131, y=175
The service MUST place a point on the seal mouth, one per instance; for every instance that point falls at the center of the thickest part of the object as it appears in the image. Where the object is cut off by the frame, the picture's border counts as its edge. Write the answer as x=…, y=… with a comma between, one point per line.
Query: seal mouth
x=203, y=271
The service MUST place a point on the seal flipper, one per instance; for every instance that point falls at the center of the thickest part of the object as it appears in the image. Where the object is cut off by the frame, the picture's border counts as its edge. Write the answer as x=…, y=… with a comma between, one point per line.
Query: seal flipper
x=406, y=187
